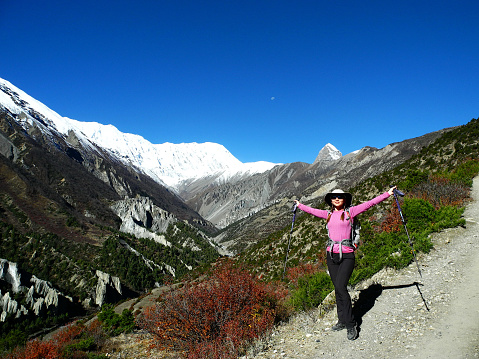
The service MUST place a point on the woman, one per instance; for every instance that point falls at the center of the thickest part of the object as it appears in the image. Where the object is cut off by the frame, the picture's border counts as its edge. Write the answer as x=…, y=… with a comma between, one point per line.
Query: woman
x=340, y=258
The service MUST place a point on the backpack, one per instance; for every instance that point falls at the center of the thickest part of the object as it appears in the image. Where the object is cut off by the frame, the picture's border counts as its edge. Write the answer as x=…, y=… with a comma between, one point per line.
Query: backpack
x=355, y=228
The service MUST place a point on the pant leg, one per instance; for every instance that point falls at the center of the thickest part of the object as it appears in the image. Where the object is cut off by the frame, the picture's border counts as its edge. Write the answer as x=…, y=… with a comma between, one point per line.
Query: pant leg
x=340, y=274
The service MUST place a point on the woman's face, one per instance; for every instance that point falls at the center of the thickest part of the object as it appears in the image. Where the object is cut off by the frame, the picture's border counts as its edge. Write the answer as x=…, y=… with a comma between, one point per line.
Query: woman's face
x=337, y=200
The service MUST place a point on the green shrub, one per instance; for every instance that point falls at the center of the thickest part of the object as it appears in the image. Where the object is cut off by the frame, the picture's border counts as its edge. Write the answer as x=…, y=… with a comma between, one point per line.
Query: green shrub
x=418, y=214
x=413, y=178
x=115, y=324
x=83, y=345
x=97, y=356
x=448, y=217
x=72, y=222
x=11, y=338
x=311, y=291
x=465, y=172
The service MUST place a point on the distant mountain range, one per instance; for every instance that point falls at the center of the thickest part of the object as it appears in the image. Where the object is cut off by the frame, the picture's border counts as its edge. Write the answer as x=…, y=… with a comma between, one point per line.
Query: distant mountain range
x=168, y=164
x=206, y=176
x=186, y=168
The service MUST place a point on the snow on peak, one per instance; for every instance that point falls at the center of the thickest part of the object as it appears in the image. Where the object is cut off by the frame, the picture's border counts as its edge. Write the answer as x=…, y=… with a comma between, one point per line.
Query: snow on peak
x=328, y=153
x=170, y=163
x=166, y=163
x=10, y=95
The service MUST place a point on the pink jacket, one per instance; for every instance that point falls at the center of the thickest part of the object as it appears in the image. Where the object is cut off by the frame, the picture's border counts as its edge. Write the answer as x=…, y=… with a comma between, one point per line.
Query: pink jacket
x=339, y=230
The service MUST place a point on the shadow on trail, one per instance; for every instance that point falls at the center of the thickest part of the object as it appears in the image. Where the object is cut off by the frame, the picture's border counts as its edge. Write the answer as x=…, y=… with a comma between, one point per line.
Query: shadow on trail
x=367, y=297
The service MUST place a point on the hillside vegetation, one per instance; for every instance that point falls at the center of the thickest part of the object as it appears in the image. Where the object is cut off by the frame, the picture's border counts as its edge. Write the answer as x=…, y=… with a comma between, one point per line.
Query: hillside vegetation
x=436, y=183
x=440, y=175
x=238, y=300
x=71, y=267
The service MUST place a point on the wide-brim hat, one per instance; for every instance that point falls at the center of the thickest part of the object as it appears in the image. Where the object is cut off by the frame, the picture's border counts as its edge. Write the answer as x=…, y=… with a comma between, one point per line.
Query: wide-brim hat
x=348, y=198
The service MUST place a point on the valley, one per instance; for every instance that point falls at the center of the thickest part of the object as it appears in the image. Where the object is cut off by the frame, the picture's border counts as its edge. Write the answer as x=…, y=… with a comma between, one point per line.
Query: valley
x=91, y=216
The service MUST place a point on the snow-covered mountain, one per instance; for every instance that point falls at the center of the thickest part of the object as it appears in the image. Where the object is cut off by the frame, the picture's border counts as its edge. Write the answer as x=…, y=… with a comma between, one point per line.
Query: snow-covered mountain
x=328, y=153
x=167, y=163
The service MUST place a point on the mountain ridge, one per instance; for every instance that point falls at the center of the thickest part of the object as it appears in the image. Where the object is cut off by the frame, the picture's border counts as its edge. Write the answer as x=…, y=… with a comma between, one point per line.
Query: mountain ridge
x=207, y=177
x=187, y=169
x=168, y=164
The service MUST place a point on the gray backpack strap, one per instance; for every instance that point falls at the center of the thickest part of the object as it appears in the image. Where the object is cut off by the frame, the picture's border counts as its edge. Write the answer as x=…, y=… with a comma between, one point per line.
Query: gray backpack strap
x=355, y=227
x=345, y=242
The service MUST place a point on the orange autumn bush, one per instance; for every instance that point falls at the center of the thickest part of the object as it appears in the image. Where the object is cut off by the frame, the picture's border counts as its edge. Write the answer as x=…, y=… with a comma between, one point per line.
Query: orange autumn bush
x=215, y=318
x=293, y=274
x=62, y=344
x=49, y=349
x=36, y=349
x=392, y=223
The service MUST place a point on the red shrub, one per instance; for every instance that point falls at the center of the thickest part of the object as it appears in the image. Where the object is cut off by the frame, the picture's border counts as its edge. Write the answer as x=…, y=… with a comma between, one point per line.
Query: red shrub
x=220, y=314
x=441, y=191
x=36, y=349
x=301, y=270
x=95, y=331
x=392, y=222
x=304, y=269
x=67, y=334
x=49, y=349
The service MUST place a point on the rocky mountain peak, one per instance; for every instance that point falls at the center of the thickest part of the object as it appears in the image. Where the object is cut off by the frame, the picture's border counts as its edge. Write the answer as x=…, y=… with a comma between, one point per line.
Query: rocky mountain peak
x=328, y=153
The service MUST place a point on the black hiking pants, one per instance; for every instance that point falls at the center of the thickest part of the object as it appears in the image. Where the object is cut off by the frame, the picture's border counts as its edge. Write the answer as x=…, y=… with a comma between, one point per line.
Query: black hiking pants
x=340, y=272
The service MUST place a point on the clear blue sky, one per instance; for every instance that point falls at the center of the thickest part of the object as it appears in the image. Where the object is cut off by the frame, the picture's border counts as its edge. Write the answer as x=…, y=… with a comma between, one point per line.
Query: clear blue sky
x=269, y=80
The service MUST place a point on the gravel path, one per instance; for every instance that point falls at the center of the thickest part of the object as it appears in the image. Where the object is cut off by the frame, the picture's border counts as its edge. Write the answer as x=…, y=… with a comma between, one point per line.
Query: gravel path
x=400, y=314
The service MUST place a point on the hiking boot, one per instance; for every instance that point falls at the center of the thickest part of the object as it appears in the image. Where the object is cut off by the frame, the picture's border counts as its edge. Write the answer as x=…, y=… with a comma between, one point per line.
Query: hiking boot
x=338, y=326
x=352, y=333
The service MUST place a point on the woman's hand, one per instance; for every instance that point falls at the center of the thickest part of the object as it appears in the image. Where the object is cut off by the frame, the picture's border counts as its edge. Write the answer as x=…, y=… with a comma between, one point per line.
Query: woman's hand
x=296, y=202
x=391, y=190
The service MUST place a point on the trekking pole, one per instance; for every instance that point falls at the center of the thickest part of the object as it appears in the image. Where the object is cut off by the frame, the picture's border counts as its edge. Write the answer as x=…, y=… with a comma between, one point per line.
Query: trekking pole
x=289, y=240
x=397, y=193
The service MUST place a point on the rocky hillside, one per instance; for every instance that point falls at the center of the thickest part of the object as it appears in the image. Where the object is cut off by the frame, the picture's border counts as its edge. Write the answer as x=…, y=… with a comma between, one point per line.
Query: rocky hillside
x=264, y=236
x=261, y=204
x=400, y=313
x=95, y=230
